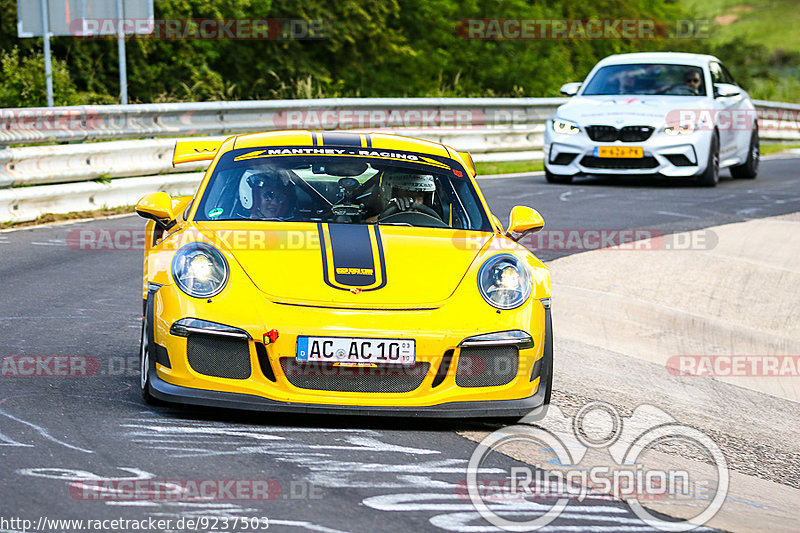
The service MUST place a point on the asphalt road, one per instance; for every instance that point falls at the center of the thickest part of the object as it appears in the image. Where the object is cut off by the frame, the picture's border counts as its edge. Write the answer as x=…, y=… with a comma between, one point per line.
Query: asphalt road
x=61, y=437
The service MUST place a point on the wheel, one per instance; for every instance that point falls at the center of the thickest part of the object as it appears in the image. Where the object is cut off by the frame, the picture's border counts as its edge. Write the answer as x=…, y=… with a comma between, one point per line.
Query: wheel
x=556, y=178
x=749, y=169
x=146, y=365
x=710, y=176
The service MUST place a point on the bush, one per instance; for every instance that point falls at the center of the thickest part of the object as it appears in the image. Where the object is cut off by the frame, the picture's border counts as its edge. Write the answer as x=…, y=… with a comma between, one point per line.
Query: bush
x=24, y=81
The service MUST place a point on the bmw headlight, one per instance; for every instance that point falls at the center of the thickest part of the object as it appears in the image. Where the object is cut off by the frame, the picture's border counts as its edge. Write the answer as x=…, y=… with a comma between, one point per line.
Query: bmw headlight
x=200, y=270
x=504, y=281
x=683, y=129
x=565, y=126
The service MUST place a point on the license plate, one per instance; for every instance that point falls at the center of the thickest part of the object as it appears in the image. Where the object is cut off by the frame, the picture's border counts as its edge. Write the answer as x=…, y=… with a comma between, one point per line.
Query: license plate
x=354, y=350
x=631, y=152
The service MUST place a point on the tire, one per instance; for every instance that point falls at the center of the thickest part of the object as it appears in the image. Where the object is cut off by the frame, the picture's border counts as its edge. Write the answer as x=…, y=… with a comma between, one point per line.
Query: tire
x=146, y=364
x=749, y=169
x=710, y=176
x=556, y=178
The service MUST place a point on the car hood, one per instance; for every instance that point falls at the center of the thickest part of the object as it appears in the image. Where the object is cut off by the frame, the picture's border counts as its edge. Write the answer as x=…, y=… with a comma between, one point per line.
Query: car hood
x=626, y=110
x=350, y=265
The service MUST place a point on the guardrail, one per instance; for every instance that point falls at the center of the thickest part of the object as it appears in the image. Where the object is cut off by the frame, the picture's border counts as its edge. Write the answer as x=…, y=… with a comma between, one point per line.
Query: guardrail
x=492, y=129
x=89, y=123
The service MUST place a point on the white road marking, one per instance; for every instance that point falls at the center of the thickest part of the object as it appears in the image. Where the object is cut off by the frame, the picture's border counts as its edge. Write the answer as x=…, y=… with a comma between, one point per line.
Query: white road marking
x=43, y=432
x=460, y=522
x=392, y=472
x=672, y=214
x=305, y=525
x=51, y=242
x=564, y=196
x=7, y=441
x=68, y=474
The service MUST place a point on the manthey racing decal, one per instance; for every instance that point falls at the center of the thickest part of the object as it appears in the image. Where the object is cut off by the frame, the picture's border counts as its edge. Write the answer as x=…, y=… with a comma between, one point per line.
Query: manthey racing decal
x=352, y=257
x=361, y=150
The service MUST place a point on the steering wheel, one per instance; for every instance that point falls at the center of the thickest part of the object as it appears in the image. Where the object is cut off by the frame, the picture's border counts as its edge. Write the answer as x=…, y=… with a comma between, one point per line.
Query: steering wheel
x=413, y=218
x=680, y=89
x=421, y=208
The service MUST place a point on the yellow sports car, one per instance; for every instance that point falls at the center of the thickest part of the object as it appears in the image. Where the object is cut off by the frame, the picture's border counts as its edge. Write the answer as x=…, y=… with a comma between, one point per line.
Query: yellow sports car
x=342, y=272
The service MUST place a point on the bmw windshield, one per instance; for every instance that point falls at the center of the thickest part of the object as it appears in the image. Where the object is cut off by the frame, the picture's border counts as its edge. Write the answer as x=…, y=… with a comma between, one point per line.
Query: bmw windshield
x=397, y=188
x=648, y=78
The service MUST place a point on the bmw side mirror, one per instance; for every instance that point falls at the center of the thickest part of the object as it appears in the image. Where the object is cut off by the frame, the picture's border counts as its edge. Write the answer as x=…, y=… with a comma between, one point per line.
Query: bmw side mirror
x=523, y=220
x=725, y=90
x=157, y=206
x=570, y=89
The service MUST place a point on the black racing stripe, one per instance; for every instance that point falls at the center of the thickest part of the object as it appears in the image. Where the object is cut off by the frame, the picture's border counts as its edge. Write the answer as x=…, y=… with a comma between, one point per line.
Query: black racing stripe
x=314, y=138
x=351, y=248
x=369, y=141
x=323, y=248
x=381, y=258
x=341, y=139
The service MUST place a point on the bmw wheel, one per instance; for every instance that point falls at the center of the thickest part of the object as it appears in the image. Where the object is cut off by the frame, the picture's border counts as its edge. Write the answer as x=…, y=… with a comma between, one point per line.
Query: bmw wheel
x=749, y=169
x=710, y=176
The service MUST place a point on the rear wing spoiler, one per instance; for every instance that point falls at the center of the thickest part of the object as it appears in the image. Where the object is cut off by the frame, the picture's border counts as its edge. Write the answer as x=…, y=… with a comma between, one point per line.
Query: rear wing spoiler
x=192, y=150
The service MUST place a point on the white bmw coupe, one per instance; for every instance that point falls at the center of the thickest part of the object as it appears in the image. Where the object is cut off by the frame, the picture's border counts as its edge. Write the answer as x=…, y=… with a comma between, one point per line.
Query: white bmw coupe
x=664, y=114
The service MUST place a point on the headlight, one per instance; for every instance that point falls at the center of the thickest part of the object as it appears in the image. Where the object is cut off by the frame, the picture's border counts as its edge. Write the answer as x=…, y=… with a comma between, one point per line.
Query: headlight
x=565, y=126
x=683, y=129
x=200, y=270
x=504, y=281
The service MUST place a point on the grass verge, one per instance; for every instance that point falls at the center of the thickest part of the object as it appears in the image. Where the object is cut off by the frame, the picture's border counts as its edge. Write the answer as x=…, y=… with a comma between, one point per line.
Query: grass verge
x=48, y=218
x=768, y=149
x=508, y=167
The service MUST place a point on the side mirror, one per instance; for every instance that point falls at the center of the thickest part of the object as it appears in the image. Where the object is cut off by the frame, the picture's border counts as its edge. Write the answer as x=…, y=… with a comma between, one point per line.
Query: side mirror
x=523, y=220
x=725, y=90
x=157, y=206
x=571, y=89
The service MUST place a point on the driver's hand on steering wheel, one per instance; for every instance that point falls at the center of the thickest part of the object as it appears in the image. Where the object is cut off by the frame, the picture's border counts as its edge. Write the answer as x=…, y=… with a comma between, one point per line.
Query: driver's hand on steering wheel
x=403, y=203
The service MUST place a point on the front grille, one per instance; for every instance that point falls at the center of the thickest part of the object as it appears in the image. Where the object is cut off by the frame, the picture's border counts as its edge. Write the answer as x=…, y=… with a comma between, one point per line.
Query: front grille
x=602, y=133
x=635, y=134
x=487, y=366
x=628, y=134
x=219, y=356
x=564, y=158
x=326, y=376
x=617, y=163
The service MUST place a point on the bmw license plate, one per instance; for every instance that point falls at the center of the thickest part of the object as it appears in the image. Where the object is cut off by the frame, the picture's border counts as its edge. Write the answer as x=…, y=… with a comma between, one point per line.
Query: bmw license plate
x=356, y=350
x=630, y=152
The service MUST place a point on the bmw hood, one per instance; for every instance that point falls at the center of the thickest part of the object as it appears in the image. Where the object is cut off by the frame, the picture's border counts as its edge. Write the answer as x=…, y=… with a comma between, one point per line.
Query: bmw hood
x=623, y=110
x=350, y=265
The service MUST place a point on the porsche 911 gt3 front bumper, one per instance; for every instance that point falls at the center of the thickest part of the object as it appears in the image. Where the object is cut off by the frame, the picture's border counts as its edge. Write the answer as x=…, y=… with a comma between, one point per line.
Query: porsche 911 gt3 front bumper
x=232, y=366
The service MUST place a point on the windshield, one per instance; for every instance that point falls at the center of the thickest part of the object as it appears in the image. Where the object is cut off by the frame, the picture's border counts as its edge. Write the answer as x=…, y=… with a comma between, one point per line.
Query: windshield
x=679, y=80
x=402, y=188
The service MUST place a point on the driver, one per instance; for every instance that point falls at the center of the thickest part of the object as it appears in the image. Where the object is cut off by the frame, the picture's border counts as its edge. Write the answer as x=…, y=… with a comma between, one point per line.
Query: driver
x=267, y=196
x=692, y=80
x=407, y=189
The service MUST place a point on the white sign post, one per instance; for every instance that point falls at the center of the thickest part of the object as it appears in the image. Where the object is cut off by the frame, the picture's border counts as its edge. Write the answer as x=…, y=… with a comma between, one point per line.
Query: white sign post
x=48, y=18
